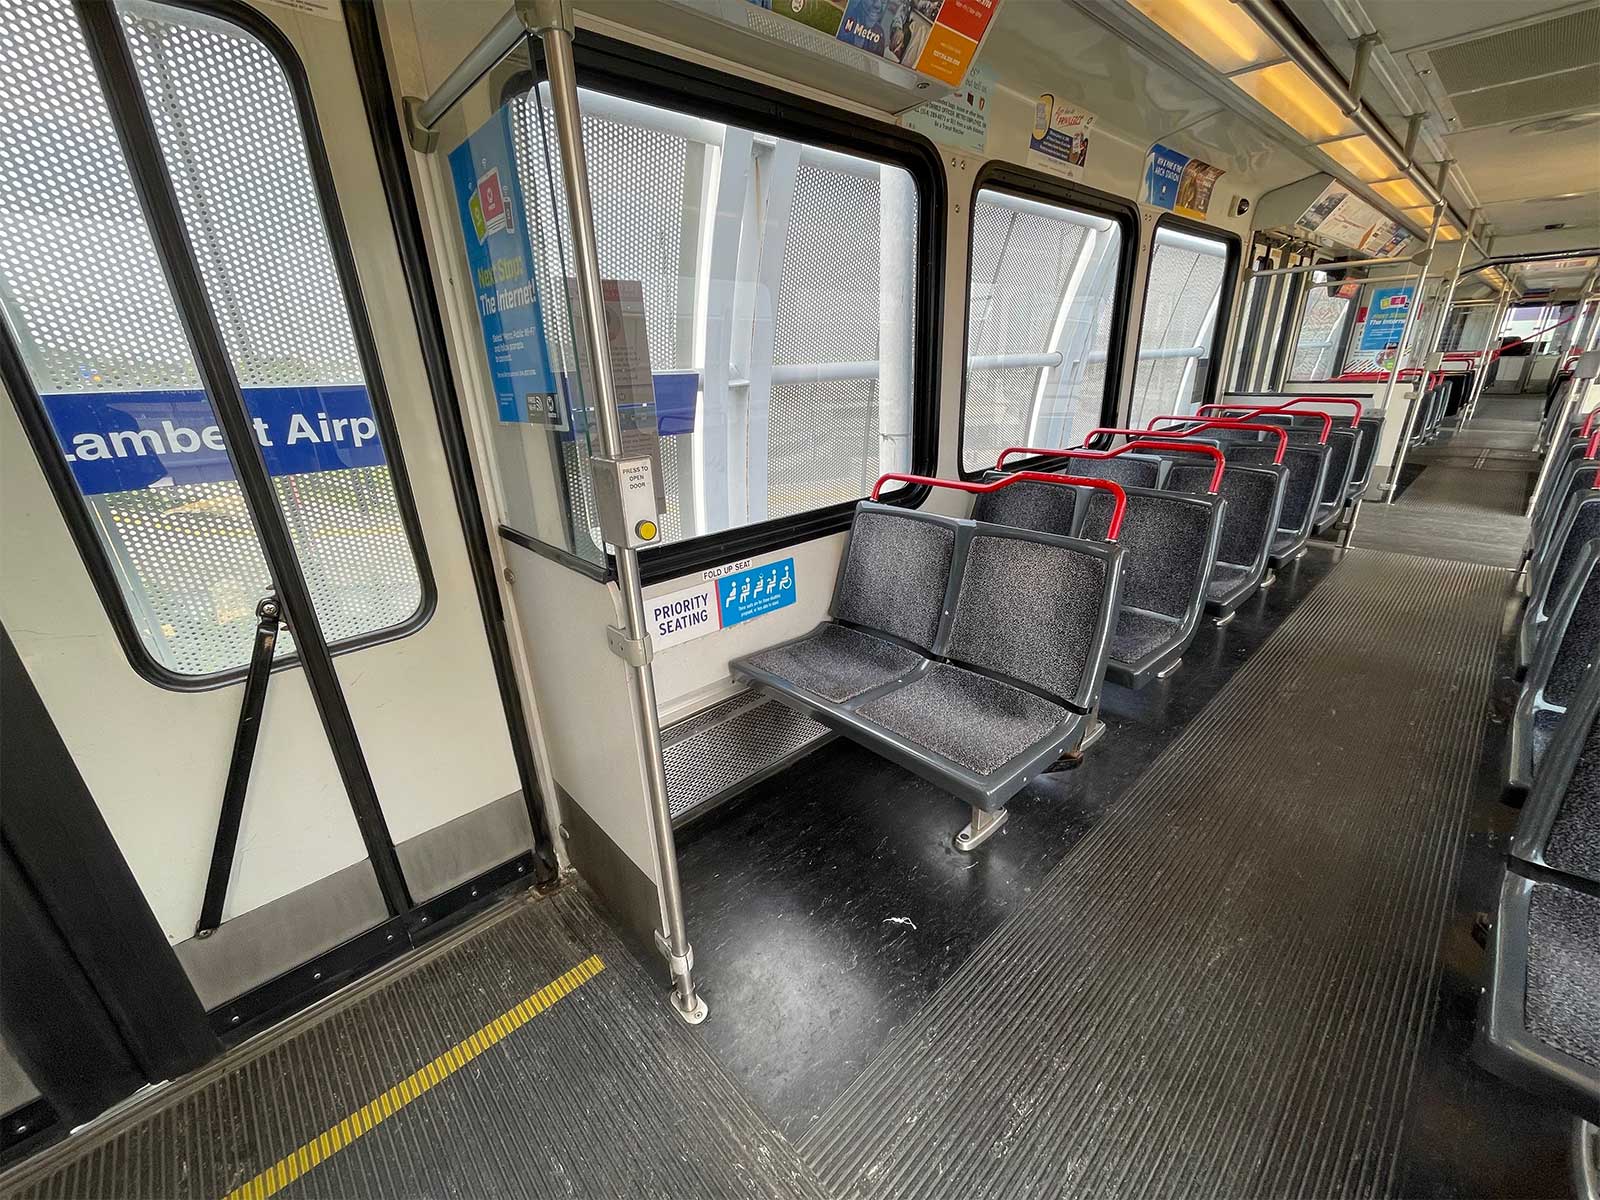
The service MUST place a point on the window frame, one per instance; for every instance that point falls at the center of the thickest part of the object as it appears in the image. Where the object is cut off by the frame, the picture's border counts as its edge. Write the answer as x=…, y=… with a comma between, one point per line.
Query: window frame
x=649, y=77
x=997, y=175
x=47, y=450
x=1232, y=248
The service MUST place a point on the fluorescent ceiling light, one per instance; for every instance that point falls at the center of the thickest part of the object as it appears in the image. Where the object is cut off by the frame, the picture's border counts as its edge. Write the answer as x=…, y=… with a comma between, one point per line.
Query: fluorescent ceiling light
x=1361, y=156
x=1402, y=193
x=1292, y=96
x=1219, y=31
x=1448, y=232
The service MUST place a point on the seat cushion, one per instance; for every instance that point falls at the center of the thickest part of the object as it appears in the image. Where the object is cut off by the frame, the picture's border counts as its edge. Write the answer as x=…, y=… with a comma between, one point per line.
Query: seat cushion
x=970, y=719
x=1282, y=543
x=1140, y=634
x=1225, y=580
x=836, y=662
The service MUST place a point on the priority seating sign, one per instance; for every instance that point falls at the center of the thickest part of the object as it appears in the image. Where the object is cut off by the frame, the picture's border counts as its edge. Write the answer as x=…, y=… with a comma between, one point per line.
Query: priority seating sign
x=729, y=596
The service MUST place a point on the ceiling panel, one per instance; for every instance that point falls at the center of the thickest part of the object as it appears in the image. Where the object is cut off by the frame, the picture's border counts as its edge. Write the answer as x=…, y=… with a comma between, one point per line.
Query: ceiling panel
x=1543, y=48
x=1528, y=98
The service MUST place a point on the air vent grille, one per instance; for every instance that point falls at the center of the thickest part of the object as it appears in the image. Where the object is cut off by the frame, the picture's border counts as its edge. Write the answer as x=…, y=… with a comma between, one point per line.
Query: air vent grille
x=1561, y=44
x=1530, y=98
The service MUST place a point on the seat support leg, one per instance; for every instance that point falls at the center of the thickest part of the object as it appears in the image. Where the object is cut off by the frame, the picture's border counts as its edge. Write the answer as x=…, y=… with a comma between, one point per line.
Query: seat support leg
x=1166, y=672
x=981, y=828
x=1219, y=622
x=1267, y=580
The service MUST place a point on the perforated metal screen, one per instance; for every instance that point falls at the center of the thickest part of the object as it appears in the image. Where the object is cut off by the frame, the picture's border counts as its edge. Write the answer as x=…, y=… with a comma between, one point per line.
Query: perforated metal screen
x=1179, y=315
x=86, y=301
x=1031, y=294
x=653, y=177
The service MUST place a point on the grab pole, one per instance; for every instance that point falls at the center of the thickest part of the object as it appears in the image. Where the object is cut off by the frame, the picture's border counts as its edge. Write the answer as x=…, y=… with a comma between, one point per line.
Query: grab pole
x=552, y=21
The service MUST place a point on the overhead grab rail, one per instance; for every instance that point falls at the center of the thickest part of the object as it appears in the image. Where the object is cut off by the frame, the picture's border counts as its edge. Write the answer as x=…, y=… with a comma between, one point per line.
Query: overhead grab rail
x=1142, y=440
x=1196, y=426
x=244, y=756
x=1259, y=409
x=1347, y=401
x=1119, y=498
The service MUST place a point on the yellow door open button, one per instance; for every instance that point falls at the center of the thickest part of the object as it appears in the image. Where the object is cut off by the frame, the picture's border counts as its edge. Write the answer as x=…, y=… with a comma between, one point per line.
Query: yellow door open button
x=646, y=531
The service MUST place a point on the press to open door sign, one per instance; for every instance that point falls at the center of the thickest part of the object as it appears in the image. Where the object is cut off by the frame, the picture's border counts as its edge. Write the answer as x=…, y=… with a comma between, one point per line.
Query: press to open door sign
x=727, y=597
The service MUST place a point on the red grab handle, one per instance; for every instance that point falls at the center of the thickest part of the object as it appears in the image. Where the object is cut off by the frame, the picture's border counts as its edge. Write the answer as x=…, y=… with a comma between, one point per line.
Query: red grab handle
x=1258, y=409
x=1226, y=423
x=1140, y=438
x=1119, y=498
x=1350, y=400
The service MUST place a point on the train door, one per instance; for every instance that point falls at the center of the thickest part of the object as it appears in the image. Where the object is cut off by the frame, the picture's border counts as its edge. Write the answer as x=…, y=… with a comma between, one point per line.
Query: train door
x=219, y=398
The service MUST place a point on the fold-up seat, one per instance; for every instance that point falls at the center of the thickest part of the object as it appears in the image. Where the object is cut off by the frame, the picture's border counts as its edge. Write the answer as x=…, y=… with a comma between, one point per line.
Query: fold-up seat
x=1254, y=497
x=1539, y=1020
x=1307, y=466
x=1564, y=655
x=1578, y=524
x=971, y=654
x=1169, y=542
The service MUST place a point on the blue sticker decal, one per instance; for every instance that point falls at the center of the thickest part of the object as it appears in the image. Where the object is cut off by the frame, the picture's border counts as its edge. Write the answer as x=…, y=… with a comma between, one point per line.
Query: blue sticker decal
x=756, y=592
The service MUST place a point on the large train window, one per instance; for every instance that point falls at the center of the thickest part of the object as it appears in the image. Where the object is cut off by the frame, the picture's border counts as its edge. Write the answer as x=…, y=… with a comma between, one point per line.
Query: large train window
x=782, y=292
x=1191, y=275
x=1324, y=324
x=1043, y=301
x=94, y=339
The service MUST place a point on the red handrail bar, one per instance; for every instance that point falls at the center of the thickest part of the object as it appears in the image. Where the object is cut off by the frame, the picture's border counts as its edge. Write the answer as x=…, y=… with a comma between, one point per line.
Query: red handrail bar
x=1225, y=423
x=1350, y=400
x=1119, y=498
x=1588, y=424
x=1594, y=446
x=1258, y=409
x=1084, y=452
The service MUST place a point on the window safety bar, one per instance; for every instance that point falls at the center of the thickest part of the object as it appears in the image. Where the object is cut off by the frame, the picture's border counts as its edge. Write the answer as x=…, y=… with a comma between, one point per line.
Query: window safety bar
x=1258, y=409
x=1119, y=497
x=245, y=737
x=1281, y=433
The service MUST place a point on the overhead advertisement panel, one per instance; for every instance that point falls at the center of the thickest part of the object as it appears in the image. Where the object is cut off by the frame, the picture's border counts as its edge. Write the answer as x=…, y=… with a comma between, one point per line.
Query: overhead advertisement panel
x=1341, y=218
x=906, y=43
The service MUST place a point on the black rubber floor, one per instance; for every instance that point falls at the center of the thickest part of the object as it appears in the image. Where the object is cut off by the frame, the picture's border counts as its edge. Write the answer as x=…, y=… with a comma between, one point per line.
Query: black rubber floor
x=468, y=1075
x=1224, y=990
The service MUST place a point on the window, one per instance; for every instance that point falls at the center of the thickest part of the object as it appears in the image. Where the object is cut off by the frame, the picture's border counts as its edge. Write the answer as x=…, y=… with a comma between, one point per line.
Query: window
x=1183, y=299
x=88, y=309
x=1041, y=306
x=780, y=284
x=1323, y=322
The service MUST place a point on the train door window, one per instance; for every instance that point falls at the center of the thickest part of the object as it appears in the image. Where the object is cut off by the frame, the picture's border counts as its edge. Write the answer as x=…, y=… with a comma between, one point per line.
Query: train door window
x=1324, y=323
x=1042, y=306
x=779, y=283
x=89, y=312
x=1184, y=302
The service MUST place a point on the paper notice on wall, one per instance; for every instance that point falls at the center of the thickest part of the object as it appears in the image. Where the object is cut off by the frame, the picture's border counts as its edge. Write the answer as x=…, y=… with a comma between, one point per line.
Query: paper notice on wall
x=960, y=119
x=628, y=342
x=1059, y=142
x=1178, y=183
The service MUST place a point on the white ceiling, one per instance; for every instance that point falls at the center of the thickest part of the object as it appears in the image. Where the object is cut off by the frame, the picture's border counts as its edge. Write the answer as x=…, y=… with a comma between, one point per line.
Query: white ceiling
x=1495, y=55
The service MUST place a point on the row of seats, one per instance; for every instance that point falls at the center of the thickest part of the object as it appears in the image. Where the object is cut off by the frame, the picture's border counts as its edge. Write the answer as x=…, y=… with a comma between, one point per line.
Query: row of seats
x=1433, y=405
x=1540, y=1023
x=972, y=650
x=1540, y=1020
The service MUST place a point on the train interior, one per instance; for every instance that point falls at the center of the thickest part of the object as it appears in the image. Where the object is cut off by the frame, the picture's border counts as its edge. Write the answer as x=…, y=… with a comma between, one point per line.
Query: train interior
x=799, y=598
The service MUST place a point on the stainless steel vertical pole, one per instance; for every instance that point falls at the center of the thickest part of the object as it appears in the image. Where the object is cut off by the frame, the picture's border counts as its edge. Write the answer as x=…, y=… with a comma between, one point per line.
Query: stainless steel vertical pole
x=552, y=21
x=1444, y=317
x=1489, y=336
x=1405, y=336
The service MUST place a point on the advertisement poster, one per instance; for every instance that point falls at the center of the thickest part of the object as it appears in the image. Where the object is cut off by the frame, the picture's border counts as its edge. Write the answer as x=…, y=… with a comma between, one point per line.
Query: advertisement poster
x=1059, y=142
x=1386, y=318
x=938, y=38
x=729, y=597
x=1347, y=220
x=961, y=119
x=1178, y=183
x=500, y=257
